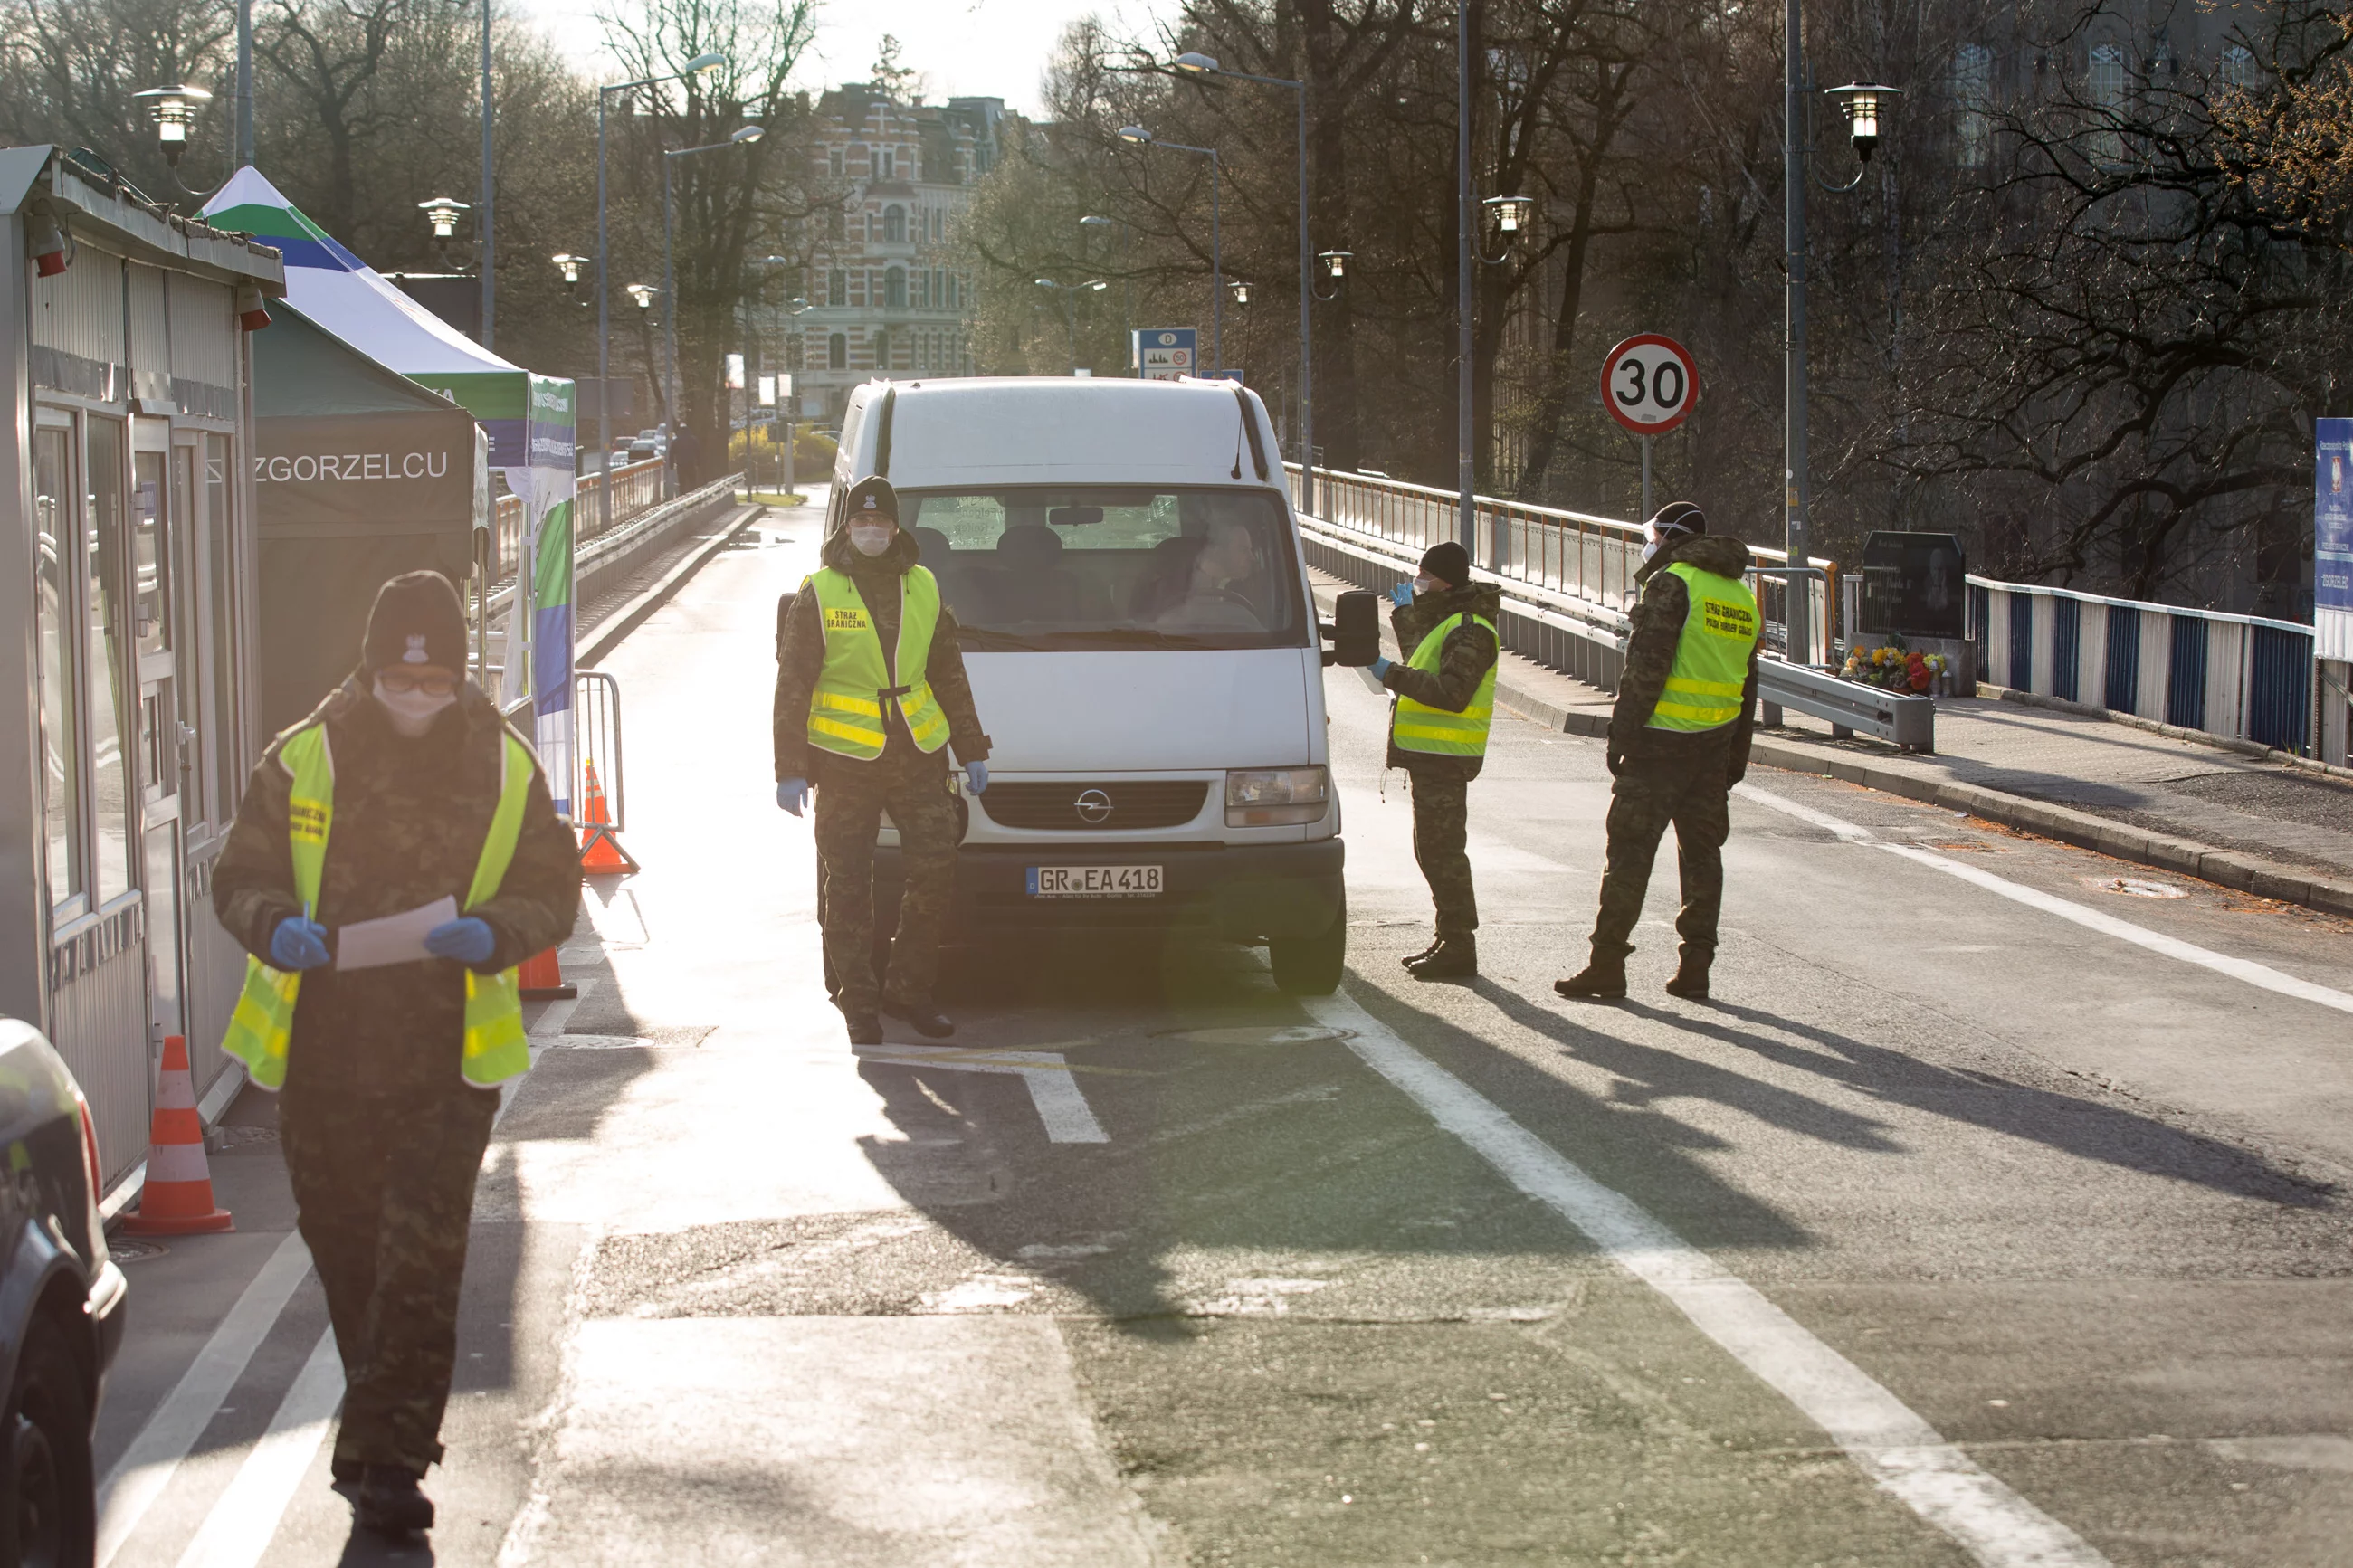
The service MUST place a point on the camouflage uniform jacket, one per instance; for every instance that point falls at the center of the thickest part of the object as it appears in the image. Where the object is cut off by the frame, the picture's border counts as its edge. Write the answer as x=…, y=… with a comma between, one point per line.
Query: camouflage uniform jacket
x=1464, y=658
x=410, y=820
x=1650, y=657
x=800, y=656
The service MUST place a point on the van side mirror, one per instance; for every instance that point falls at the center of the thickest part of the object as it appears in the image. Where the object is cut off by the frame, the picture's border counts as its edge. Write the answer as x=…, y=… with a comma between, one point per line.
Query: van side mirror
x=1356, y=630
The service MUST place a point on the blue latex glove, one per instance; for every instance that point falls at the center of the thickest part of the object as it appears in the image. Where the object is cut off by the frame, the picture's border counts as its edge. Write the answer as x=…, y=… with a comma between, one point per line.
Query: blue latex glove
x=1380, y=669
x=466, y=939
x=975, y=778
x=1401, y=596
x=792, y=795
x=297, y=944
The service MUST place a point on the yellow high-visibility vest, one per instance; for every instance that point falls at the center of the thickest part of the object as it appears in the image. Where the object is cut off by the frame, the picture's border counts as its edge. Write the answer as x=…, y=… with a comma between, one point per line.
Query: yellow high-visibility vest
x=846, y=715
x=263, y=1022
x=1711, y=671
x=1418, y=727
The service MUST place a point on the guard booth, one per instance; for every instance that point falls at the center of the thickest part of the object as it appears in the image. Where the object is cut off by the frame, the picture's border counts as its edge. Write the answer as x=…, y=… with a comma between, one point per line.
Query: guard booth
x=126, y=572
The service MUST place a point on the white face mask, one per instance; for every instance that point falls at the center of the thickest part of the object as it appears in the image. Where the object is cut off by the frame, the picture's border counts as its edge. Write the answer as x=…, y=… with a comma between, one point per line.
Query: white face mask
x=1649, y=549
x=870, y=540
x=1422, y=584
x=411, y=713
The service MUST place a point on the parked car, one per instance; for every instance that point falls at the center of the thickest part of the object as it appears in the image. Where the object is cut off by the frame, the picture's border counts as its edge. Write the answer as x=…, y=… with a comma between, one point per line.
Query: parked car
x=61, y=1305
x=1123, y=565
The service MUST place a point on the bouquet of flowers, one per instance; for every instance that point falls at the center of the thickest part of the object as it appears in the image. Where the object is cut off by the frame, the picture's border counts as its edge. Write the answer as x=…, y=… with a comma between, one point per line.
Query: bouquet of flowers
x=1894, y=666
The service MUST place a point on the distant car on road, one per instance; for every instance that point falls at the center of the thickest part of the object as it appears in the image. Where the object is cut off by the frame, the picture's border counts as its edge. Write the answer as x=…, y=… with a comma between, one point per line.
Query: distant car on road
x=61, y=1305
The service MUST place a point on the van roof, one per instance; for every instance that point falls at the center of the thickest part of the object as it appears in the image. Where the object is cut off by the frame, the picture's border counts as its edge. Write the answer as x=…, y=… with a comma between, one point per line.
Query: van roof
x=995, y=430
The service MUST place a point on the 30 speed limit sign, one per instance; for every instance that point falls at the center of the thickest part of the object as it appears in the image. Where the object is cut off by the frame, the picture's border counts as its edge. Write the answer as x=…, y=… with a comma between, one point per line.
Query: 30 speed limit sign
x=1648, y=384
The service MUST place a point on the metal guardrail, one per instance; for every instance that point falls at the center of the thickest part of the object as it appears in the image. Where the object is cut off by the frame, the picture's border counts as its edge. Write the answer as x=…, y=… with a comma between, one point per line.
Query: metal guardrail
x=1557, y=630
x=2240, y=677
x=596, y=744
x=637, y=486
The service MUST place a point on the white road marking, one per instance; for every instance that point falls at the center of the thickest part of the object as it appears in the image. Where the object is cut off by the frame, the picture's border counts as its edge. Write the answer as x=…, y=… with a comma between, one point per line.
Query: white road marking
x=2247, y=970
x=153, y=1458
x=1053, y=1087
x=1898, y=1450
x=246, y=1516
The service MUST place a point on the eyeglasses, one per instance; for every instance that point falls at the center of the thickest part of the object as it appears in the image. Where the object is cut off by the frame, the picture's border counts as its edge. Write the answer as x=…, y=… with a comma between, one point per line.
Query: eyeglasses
x=397, y=680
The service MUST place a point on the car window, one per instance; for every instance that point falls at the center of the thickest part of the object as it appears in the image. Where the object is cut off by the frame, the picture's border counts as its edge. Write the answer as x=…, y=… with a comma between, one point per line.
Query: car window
x=1038, y=567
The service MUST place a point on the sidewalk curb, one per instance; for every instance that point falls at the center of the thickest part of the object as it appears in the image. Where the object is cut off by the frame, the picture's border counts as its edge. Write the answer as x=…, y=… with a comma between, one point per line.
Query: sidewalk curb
x=633, y=614
x=2183, y=856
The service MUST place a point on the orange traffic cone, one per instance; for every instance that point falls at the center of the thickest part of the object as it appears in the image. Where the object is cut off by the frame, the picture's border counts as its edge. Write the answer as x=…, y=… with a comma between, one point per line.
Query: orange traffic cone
x=600, y=852
x=177, y=1196
x=540, y=978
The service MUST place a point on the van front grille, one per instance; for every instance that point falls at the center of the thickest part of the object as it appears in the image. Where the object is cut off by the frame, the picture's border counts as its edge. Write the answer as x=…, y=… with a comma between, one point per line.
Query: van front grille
x=1129, y=807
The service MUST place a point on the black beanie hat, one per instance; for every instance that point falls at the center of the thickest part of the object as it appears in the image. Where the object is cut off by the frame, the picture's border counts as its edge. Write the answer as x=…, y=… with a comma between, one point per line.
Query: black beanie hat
x=872, y=497
x=1680, y=514
x=417, y=619
x=1449, y=562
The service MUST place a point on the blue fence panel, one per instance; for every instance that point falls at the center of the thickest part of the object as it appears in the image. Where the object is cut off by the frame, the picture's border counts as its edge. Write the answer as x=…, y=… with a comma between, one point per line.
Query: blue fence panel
x=2185, y=682
x=2066, y=649
x=2124, y=660
x=2279, y=688
x=2021, y=641
x=1980, y=614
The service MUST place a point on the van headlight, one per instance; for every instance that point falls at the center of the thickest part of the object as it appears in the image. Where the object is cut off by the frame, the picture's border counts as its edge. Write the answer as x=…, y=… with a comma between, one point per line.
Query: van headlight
x=1276, y=797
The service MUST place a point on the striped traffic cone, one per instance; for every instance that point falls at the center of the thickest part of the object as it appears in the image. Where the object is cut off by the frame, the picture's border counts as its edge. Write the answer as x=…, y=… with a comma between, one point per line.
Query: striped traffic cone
x=176, y=1199
x=540, y=978
x=600, y=852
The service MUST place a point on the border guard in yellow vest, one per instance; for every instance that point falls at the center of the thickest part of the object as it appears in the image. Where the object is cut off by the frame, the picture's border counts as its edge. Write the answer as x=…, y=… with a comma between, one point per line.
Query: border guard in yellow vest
x=871, y=694
x=1678, y=743
x=1437, y=733
x=404, y=790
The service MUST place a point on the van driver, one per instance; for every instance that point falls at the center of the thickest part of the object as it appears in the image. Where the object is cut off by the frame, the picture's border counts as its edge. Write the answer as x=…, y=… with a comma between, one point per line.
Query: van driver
x=1217, y=595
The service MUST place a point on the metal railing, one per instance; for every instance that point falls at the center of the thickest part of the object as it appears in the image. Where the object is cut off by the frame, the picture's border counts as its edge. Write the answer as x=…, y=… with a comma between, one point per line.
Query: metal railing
x=2238, y=677
x=1586, y=559
x=635, y=487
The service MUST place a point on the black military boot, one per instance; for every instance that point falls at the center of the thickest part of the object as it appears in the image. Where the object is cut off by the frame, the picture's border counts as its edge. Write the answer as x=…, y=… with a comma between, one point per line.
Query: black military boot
x=1453, y=958
x=1691, y=974
x=928, y=1020
x=1597, y=981
x=391, y=1502
x=865, y=1028
x=1410, y=959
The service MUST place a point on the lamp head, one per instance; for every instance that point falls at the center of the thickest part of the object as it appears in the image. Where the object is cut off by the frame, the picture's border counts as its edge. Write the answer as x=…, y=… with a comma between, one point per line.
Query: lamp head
x=1335, y=262
x=1194, y=63
x=443, y=211
x=704, y=65
x=643, y=293
x=1047, y=283
x=1136, y=134
x=1096, y=220
x=1512, y=212
x=569, y=264
x=172, y=109
x=1241, y=291
x=749, y=134
x=1865, y=103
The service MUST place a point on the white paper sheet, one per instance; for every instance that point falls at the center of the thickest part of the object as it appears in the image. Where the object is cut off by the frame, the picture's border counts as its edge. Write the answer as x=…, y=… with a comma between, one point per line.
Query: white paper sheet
x=395, y=939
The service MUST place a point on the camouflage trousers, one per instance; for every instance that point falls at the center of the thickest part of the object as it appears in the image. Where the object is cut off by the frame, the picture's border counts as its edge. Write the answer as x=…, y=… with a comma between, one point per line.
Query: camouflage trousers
x=384, y=1189
x=851, y=799
x=1683, y=785
x=1441, y=831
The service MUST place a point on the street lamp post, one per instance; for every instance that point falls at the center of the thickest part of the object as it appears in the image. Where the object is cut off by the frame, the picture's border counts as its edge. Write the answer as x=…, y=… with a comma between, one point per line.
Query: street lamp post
x=1512, y=215
x=1195, y=64
x=489, y=246
x=1062, y=293
x=1139, y=136
x=670, y=281
x=699, y=65
x=1127, y=279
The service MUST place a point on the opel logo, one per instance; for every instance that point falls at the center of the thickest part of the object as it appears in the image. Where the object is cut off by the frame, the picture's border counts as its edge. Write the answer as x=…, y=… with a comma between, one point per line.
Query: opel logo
x=1094, y=807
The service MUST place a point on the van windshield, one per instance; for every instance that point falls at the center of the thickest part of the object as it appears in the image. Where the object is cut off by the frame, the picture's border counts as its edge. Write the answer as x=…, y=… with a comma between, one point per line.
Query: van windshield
x=1098, y=568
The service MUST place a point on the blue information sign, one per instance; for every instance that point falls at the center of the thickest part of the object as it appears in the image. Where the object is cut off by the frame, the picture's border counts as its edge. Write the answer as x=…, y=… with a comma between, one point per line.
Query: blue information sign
x=1164, y=353
x=2332, y=538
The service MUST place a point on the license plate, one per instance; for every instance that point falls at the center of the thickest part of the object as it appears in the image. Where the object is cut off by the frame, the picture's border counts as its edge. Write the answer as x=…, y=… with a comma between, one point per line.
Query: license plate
x=1094, y=882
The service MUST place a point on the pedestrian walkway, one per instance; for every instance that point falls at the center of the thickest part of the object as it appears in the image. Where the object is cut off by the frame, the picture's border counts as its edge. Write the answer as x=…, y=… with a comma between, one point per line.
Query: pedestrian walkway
x=2197, y=809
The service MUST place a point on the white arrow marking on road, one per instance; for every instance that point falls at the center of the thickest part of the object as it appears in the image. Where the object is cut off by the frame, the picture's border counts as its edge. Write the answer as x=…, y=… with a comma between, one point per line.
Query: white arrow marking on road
x=1053, y=1087
x=2245, y=969
x=1894, y=1447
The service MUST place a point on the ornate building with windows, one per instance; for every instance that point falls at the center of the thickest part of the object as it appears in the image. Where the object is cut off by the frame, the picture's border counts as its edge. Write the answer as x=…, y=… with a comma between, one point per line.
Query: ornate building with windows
x=884, y=295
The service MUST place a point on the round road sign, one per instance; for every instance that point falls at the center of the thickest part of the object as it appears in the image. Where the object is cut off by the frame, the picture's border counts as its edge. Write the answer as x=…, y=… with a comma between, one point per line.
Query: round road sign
x=1649, y=383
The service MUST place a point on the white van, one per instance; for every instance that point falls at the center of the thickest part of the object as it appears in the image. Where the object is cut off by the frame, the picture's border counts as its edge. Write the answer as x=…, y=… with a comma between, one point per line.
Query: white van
x=1121, y=559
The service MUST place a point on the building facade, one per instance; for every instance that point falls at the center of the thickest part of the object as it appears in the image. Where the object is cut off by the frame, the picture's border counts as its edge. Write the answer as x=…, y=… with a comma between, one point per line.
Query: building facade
x=884, y=295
